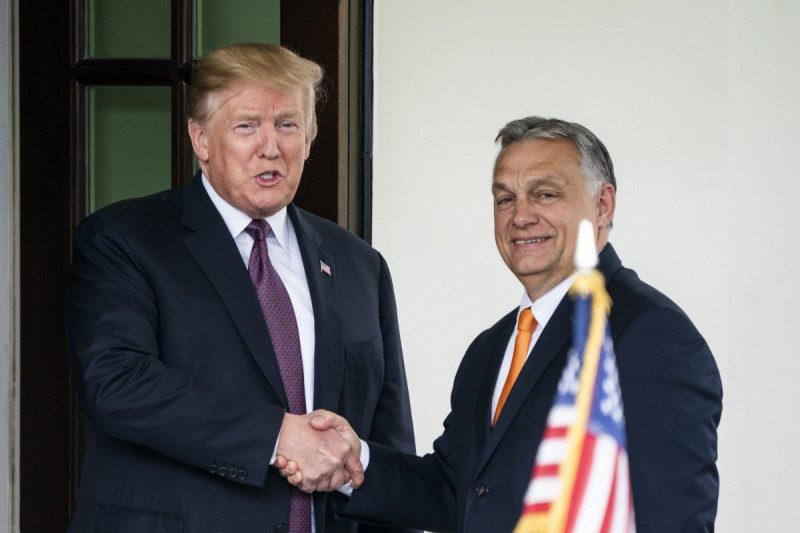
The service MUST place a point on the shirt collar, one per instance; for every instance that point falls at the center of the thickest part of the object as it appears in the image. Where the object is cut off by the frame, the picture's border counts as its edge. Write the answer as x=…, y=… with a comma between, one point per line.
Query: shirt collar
x=237, y=221
x=544, y=307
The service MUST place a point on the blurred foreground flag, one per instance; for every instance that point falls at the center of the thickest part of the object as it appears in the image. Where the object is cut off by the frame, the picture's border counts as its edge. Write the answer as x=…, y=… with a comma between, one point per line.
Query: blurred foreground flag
x=580, y=481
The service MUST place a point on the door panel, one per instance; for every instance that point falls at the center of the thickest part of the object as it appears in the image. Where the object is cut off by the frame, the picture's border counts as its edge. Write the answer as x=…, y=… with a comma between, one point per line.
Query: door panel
x=129, y=143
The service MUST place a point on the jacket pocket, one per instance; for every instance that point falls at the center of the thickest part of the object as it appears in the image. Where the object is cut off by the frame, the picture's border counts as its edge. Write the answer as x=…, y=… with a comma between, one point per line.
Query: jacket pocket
x=363, y=349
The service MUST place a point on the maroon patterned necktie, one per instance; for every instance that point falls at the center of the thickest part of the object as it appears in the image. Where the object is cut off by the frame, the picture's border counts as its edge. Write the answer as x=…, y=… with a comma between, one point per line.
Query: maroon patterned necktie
x=282, y=326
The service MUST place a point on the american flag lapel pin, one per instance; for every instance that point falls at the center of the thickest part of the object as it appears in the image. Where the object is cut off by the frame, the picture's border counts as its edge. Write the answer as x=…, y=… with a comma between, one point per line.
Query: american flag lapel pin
x=323, y=267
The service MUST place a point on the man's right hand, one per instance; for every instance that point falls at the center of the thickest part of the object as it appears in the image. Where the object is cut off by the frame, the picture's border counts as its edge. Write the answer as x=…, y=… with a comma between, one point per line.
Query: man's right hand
x=319, y=451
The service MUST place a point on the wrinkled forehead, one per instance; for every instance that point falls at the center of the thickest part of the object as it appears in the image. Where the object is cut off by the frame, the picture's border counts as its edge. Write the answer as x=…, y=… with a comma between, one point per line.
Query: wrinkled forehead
x=537, y=155
x=250, y=98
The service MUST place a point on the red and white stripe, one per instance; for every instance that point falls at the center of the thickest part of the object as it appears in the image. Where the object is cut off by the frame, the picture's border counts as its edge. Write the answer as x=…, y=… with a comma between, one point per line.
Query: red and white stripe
x=601, y=497
x=546, y=483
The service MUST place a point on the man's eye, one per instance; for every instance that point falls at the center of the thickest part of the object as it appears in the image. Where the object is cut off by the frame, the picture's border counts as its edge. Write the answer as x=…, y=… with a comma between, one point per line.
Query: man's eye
x=287, y=125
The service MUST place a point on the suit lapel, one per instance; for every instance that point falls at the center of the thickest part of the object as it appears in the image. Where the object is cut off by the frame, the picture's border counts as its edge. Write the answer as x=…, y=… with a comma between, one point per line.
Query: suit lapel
x=483, y=414
x=214, y=250
x=321, y=275
x=554, y=338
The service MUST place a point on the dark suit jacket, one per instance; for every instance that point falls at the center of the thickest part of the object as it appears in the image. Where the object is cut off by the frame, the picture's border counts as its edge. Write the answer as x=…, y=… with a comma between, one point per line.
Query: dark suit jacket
x=475, y=479
x=177, y=376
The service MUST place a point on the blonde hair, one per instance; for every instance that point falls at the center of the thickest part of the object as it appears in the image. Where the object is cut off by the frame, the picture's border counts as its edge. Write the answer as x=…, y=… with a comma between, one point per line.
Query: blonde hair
x=254, y=63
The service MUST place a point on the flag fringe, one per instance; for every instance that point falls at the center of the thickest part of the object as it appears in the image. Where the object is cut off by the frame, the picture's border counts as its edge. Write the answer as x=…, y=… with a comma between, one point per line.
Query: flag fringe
x=533, y=524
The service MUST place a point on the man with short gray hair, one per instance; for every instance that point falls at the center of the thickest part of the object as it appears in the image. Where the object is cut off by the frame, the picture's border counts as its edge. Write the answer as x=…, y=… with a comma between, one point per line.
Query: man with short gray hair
x=549, y=175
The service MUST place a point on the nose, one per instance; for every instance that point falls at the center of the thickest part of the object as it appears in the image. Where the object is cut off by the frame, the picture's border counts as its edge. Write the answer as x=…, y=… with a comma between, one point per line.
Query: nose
x=268, y=143
x=525, y=212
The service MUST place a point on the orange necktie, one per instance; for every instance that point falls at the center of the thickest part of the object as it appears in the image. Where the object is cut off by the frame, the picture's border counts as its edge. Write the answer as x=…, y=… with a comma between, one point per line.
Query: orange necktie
x=525, y=327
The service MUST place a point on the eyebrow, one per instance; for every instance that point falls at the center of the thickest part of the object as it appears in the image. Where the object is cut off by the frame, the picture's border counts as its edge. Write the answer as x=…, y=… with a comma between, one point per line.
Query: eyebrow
x=499, y=187
x=280, y=115
x=288, y=113
x=545, y=179
x=246, y=117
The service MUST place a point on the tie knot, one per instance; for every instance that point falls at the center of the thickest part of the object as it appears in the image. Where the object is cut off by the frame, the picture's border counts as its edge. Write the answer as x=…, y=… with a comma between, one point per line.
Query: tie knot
x=526, y=321
x=258, y=229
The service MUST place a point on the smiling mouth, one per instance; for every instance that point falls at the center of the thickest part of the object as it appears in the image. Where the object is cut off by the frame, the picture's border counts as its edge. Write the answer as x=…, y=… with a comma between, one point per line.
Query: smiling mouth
x=530, y=241
x=268, y=175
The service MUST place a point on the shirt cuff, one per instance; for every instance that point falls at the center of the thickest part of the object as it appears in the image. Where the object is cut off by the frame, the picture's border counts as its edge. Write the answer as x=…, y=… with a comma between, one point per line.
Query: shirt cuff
x=274, y=451
x=347, y=489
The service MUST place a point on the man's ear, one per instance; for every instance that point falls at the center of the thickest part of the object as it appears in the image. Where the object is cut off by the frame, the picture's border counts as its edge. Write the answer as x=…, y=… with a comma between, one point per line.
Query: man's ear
x=606, y=204
x=199, y=139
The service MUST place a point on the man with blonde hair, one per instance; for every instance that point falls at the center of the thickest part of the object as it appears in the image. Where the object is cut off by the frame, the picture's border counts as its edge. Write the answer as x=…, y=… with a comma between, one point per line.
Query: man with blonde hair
x=206, y=324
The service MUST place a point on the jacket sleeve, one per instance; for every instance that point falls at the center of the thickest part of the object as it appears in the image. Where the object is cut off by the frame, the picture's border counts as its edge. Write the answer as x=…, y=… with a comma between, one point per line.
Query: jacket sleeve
x=672, y=395
x=127, y=391
x=404, y=490
x=392, y=422
x=392, y=428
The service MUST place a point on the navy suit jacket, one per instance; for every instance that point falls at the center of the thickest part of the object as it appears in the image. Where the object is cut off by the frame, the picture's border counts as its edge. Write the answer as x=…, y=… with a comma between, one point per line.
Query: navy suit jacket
x=476, y=478
x=178, y=379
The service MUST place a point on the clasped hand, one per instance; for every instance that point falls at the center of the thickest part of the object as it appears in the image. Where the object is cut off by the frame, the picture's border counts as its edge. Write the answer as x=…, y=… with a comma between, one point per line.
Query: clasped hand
x=319, y=451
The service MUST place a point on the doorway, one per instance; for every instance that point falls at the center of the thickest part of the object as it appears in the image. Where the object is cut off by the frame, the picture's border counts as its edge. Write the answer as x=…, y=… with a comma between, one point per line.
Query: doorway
x=81, y=83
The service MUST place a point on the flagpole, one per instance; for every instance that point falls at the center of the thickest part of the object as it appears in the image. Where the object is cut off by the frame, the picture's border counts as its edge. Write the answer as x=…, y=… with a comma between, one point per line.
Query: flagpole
x=585, y=285
x=588, y=283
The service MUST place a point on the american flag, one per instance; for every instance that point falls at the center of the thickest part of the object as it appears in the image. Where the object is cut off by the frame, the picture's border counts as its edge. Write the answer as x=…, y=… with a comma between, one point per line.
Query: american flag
x=580, y=481
x=323, y=267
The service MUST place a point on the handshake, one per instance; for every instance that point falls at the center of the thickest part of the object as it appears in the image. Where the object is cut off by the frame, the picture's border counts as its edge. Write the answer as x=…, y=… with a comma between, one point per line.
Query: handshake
x=319, y=451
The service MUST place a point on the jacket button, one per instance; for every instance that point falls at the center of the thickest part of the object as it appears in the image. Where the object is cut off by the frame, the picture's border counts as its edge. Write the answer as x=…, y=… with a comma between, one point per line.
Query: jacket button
x=480, y=490
x=282, y=528
x=223, y=471
x=242, y=475
x=212, y=469
x=232, y=473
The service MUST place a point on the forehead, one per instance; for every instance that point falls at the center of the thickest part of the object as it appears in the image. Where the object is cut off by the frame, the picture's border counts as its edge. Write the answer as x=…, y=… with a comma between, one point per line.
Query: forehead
x=258, y=99
x=556, y=158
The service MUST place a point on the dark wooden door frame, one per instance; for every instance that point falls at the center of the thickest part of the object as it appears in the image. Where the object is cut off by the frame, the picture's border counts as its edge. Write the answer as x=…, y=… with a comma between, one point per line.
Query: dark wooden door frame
x=52, y=202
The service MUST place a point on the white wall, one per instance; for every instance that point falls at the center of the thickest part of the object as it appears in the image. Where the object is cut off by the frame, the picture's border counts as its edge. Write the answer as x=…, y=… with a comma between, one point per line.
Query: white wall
x=698, y=104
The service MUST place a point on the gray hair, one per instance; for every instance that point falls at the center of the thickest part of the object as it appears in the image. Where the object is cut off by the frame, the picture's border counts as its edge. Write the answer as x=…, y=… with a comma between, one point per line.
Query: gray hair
x=596, y=163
